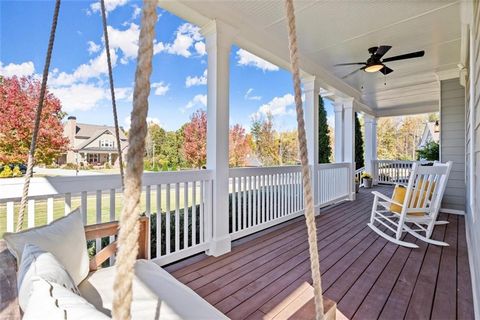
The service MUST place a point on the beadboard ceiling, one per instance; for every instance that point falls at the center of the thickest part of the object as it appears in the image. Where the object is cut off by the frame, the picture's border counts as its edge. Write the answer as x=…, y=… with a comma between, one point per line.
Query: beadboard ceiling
x=331, y=32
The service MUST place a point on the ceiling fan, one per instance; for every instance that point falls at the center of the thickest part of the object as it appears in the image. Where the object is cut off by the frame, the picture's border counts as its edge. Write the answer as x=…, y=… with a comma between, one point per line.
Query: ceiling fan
x=375, y=62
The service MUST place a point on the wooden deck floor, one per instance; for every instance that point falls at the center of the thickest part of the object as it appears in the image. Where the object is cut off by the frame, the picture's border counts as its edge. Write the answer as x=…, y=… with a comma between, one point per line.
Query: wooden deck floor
x=368, y=277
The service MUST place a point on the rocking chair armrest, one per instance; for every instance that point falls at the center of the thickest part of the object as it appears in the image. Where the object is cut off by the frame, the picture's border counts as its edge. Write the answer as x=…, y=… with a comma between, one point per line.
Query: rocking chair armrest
x=384, y=197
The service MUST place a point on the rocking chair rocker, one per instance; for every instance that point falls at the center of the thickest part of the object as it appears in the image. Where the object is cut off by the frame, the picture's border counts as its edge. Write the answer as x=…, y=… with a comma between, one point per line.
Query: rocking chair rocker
x=413, y=208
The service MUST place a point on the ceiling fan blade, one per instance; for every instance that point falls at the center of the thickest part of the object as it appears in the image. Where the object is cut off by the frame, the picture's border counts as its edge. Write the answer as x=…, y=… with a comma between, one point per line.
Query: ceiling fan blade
x=350, y=64
x=411, y=55
x=386, y=70
x=352, y=73
x=381, y=51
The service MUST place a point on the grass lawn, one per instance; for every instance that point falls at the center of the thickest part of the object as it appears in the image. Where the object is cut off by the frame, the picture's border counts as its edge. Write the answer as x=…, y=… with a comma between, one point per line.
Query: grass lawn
x=59, y=208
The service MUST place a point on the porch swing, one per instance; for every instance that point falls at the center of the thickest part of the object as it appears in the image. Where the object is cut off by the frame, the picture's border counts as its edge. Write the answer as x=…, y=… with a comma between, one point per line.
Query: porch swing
x=141, y=289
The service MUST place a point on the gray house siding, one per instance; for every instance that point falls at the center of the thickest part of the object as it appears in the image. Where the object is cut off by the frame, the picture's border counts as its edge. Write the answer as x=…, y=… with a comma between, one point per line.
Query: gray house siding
x=452, y=141
x=473, y=155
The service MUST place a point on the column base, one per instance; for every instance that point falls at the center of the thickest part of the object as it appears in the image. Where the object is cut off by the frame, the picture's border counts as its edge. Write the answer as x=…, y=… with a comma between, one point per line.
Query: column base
x=317, y=210
x=220, y=246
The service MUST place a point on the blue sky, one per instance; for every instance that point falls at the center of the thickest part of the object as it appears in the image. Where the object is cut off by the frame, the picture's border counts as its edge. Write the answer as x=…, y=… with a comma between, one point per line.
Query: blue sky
x=78, y=70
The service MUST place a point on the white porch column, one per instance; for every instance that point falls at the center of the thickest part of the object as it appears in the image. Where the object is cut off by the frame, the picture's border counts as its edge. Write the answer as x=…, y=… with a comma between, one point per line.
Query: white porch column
x=349, y=140
x=218, y=39
x=311, y=88
x=338, y=108
x=349, y=131
x=370, y=142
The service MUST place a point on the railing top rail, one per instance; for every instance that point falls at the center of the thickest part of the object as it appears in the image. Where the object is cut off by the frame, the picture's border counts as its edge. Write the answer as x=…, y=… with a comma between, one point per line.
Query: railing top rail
x=333, y=165
x=52, y=186
x=404, y=161
x=256, y=171
x=359, y=170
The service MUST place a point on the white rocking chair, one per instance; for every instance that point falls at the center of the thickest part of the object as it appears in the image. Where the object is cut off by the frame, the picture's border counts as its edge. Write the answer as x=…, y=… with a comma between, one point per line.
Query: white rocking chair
x=417, y=213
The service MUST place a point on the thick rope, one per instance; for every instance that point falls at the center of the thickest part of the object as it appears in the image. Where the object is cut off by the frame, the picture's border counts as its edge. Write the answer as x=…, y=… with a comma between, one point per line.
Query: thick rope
x=38, y=116
x=307, y=185
x=128, y=235
x=112, y=89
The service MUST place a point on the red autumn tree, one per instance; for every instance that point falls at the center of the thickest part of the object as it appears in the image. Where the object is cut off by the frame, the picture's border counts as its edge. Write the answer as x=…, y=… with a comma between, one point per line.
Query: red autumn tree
x=195, y=141
x=239, y=147
x=18, y=102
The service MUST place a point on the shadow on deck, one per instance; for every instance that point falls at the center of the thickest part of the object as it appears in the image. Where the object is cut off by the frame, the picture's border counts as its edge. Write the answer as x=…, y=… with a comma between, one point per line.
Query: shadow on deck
x=368, y=277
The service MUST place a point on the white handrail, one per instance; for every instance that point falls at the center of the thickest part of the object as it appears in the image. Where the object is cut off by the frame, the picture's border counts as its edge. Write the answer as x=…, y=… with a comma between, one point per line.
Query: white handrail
x=393, y=171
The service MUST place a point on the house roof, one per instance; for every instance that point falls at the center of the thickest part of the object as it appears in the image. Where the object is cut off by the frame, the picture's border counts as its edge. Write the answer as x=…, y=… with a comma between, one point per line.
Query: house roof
x=434, y=129
x=89, y=130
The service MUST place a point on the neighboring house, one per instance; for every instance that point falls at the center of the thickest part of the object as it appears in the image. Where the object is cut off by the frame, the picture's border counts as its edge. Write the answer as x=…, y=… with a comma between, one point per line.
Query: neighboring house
x=92, y=144
x=430, y=133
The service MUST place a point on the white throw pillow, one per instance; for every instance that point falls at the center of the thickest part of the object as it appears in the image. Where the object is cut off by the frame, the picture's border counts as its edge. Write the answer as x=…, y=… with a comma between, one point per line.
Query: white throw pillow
x=64, y=238
x=52, y=301
x=38, y=263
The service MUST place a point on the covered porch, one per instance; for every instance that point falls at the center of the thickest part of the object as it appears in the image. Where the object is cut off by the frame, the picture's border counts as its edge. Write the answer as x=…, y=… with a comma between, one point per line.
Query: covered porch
x=236, y=235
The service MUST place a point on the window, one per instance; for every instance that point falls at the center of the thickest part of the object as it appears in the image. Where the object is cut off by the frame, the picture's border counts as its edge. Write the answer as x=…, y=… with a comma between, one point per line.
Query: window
x=106, y=144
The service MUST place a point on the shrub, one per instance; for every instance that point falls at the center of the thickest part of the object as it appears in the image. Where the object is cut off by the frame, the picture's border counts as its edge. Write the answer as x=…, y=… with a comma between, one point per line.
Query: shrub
x=6, y=172
x=366, y=175
x=16, y=172
x=430, y=152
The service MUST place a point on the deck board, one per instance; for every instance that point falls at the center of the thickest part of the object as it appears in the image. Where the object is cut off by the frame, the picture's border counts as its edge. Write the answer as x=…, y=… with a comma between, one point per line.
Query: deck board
x=367, y=276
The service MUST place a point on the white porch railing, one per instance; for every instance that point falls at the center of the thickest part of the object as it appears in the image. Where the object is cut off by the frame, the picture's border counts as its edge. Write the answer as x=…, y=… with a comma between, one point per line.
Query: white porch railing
x=335, y=183
x=358, y=174
x=178, y=203
x=393, y=171
x=168, y=194
x=263, y=197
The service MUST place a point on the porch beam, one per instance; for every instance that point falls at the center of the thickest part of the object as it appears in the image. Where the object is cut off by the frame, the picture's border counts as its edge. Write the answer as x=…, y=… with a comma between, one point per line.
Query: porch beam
x=311, y=86
x=218, y=40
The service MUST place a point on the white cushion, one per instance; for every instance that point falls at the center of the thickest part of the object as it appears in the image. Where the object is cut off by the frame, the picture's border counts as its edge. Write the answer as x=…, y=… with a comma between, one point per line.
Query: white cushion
x=64, y=238
x=52, y=301
x=156, y=295
x=38, y=263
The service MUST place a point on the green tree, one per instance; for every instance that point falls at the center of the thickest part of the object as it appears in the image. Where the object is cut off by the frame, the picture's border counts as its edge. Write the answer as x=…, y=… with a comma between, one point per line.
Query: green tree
x=266, y=145
x=359, y=157
x=288, y=147
x=324, y=148
x=430, y=152
x=386, y=139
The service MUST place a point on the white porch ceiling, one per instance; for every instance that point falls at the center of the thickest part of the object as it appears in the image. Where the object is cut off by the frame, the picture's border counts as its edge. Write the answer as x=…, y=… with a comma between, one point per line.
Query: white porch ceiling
x=331, y=32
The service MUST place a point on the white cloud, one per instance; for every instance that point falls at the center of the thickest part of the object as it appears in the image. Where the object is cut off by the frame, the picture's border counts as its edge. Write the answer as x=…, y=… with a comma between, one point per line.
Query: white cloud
x=93, y=47
x=79, y=97
x=124, y=93
x=196, y=81
x=200, y=48
x=125, y=40
x=136, y=11
x=249, y=96
x=277, y=106
x=128, y=122
x=245, y=58
x=331, y=120
x=19, y=70
x=93, y=69
x=160, y=88
x=186, y=37
x=110, y=5
x=200, y=100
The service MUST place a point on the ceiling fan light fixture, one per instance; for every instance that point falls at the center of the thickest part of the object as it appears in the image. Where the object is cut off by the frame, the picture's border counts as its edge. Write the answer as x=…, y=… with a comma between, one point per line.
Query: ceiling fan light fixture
x=374, y=67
